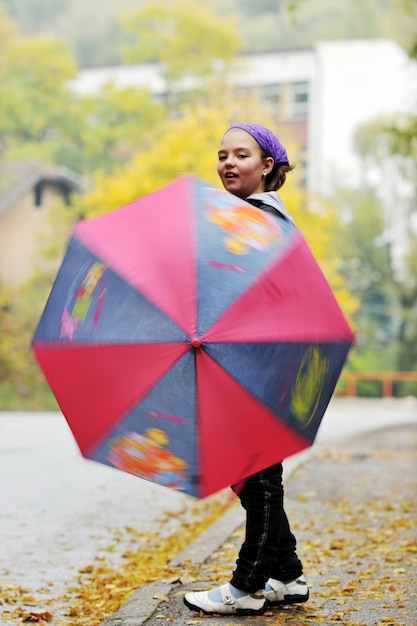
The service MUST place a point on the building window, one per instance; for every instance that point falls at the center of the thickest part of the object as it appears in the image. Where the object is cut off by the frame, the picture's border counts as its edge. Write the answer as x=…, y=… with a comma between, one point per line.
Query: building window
x=271, y=94
x=243, y=92
x=302, y=167
x=38, y=194
x=300, y=98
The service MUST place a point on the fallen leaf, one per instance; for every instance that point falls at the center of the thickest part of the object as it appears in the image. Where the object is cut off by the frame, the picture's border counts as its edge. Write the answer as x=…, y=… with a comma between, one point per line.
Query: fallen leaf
x=186, y=580
x=159, y=596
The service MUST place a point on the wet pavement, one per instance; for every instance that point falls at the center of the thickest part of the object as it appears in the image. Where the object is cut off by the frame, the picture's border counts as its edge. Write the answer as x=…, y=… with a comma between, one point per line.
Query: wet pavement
x=58, y=512
x=353, y=506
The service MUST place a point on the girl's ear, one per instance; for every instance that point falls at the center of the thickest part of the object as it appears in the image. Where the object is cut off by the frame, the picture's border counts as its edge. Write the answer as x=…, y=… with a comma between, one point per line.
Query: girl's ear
x=268, y=165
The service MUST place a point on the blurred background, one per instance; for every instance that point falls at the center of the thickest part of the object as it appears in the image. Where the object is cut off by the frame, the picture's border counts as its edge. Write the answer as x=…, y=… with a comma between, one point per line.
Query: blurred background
x=102, y=103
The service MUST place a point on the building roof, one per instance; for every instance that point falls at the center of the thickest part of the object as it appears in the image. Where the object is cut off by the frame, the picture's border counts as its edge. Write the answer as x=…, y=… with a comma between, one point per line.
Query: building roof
x=17, y=178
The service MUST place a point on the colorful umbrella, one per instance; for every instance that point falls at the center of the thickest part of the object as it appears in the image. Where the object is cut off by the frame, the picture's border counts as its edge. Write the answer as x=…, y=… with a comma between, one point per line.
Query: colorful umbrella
x=191, y=338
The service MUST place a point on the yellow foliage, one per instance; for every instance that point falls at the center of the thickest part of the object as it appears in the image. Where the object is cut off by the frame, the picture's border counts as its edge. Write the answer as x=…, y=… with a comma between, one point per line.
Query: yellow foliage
x=8, y=31
x=188, y=146
x=189, y=37
x=181, y=147
x=51, y=63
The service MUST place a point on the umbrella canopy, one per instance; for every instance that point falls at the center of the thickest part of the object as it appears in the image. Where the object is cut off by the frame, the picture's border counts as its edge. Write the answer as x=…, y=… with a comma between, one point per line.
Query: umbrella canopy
x=191, y=338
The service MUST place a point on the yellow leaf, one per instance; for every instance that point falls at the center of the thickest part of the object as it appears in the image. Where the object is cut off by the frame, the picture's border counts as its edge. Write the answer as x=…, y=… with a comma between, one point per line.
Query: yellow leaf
x=159, y=596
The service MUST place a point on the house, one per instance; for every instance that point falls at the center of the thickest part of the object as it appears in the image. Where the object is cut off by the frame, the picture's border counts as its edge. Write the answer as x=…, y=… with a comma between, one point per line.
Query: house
x=28, y=190
x=321, y=94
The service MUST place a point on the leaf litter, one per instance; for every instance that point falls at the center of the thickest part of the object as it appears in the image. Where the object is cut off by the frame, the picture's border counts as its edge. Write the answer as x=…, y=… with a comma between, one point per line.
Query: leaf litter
x=353, y=512
x=357, y=539
x=101, y=587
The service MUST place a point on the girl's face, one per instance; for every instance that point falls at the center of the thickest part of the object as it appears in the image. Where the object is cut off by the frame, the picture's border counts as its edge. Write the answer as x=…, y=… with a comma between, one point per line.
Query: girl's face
x=241, y=167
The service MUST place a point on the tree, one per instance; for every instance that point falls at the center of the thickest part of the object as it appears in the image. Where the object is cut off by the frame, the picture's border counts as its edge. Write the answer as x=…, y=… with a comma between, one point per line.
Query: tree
x=263, y=6
x=185, y=40
x=378, y=245
x=8, y=31
x=40, y=117
x=34, y=97
x=408, y=10
x=389, y=150
x=118, y=123
x=366, y=265
x=22, y=385
x=33, y=13
x=320, y=226
x=189, y=145
x=96, y=36
x=21, y=382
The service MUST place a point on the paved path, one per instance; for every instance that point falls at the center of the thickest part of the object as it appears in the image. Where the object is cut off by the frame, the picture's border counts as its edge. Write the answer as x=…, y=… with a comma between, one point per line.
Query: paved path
x=58, y=511
x=352, y=506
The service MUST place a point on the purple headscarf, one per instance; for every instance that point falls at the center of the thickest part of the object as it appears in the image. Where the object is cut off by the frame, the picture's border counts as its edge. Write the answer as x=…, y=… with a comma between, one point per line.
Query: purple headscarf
x=266, y=139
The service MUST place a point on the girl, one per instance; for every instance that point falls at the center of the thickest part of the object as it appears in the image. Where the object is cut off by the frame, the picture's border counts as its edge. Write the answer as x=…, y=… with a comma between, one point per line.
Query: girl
x=253, y=165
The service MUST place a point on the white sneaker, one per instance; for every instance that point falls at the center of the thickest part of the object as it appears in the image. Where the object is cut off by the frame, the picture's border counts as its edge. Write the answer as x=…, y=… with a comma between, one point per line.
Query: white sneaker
x=277, y=592
x=251, y=604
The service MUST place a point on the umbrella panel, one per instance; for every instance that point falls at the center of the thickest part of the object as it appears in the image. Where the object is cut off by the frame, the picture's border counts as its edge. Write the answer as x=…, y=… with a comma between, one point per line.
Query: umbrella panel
x=156, y=439
x=235, y=243
x=294, y=380
x=290, y=301
x=91, y=304
x=150, y=244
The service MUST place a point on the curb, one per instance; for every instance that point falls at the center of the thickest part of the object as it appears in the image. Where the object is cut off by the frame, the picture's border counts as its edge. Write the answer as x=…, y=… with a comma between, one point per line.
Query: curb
x=145, y=601
x=139, y=606
x=212, y=538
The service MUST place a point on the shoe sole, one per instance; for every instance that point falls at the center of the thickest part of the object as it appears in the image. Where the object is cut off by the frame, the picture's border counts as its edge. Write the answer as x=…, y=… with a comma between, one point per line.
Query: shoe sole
x=293, y=599
x=243, y=612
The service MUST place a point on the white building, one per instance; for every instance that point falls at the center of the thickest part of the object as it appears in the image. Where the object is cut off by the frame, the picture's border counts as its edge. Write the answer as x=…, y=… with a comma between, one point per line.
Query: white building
x=355, y=82
x=321, y=93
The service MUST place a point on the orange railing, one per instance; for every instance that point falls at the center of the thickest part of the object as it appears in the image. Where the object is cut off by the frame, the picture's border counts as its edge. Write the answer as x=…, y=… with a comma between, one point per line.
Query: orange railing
x=351, y=378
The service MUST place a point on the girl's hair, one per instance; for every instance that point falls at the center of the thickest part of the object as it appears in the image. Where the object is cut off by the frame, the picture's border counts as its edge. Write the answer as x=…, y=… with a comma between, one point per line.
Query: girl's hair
x=277, y=176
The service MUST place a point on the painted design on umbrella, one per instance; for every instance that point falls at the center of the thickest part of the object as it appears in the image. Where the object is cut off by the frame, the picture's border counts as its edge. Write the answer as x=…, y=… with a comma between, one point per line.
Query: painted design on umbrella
x=80, y=298
x=147, y=456
x=246, y=226
x=306, y=392
x=152, y=327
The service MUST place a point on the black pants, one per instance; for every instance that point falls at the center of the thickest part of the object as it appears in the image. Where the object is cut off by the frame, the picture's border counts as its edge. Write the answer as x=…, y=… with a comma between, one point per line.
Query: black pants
x=268, y=550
